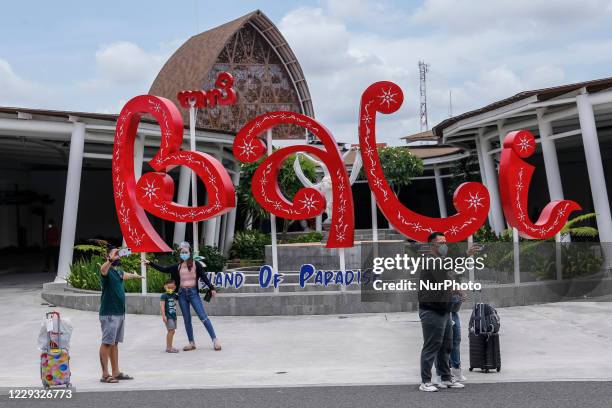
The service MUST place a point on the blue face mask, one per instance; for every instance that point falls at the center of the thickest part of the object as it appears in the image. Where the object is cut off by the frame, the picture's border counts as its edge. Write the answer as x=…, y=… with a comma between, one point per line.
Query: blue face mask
x=185, y=257
x=443, y=250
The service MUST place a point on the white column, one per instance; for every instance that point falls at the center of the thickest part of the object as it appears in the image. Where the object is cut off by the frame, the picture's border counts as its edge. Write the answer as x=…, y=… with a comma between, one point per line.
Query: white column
x=470, y=244
x=182, y=198
x=71, y=200
x=374, y=210
x=483, y=175
x=553, y=177
x=516, y=250
x=440, y=192
x=139, y=144
x=220, y=232
x=491, y=176
x=597, y=178
x=231, y=217
x=551, y=164
x=210, y=228
x=274, y=242
x=319, y=223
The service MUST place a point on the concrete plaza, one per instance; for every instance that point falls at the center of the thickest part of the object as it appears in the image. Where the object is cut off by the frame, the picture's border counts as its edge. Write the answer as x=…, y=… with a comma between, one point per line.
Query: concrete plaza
x=551, y=342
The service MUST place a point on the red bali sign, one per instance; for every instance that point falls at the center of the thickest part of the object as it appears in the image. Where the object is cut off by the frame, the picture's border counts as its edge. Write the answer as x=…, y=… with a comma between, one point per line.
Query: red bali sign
x=470, y=199
x=514, y=180
x=154, y=191
x=307, y=202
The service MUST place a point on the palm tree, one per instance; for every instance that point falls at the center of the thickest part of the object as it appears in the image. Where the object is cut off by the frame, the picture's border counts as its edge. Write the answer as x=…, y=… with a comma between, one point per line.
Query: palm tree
x=572, y=229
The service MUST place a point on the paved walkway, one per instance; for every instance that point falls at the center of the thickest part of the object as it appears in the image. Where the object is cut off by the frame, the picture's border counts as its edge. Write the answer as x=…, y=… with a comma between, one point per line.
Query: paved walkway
x=553, y=342
x=502, y=395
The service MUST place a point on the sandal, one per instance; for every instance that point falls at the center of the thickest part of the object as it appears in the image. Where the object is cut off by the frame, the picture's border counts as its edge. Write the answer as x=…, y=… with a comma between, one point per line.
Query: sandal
x=189, y=347
x=172, y=350
x=109, y=380
x=123, y=376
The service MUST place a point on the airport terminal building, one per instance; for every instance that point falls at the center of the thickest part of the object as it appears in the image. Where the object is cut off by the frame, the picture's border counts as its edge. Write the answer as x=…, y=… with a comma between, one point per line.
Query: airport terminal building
x=57, y=164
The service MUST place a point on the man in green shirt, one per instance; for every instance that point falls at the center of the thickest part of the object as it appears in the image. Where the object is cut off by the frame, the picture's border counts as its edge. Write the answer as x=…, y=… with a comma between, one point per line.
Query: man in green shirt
x=112, y=314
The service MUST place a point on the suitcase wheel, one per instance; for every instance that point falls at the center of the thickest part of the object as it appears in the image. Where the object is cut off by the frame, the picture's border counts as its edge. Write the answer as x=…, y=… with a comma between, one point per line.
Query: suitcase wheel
x=498, y=369
x=486, y=370
x=471, y=368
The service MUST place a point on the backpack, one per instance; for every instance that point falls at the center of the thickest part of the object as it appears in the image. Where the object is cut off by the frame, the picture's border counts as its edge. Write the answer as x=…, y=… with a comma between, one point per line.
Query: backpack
x=484, y=320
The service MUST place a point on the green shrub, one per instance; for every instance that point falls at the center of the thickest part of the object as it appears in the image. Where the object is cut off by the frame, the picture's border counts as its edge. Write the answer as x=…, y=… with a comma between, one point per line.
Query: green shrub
x=250, y=244
x=213, y=258
x=312, y=236
x=85, y=271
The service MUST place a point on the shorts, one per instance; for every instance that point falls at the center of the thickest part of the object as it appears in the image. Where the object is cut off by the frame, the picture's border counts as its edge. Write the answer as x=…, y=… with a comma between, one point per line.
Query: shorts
x=170, y=323
x=112, y=328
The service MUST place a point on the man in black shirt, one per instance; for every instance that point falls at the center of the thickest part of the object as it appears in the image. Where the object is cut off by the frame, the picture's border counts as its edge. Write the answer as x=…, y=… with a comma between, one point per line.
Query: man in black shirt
x=434, y=312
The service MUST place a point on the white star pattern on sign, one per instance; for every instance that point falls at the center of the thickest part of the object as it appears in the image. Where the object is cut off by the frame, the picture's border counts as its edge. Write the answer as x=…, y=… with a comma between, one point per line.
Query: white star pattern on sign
x=309, y=203
x=524, y=144
x=247, y=148
x=475, y=201
x=387, y=97
x=519, y=185
x=453, y=230
x=150, y=190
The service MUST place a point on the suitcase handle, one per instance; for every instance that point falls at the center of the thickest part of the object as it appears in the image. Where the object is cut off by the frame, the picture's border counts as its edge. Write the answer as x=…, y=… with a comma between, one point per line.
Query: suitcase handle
x=51, y=315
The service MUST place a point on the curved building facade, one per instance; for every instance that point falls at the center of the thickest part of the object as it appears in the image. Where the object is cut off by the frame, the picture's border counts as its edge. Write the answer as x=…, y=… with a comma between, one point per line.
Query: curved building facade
x=267, y=74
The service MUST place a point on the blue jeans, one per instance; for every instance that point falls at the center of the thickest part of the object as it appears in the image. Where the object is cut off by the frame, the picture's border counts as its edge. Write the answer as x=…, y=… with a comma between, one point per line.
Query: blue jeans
x=455, y=355
x=437, y=344
x=191, y=296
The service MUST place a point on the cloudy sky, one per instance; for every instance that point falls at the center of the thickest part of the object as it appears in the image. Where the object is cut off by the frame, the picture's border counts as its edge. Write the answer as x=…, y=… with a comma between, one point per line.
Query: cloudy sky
x=94, y=56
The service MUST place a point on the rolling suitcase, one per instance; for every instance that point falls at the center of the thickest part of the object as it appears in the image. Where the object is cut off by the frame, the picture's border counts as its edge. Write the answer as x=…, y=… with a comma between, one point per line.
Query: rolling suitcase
x=485, y=352
x=484, y=338
x=54, y=359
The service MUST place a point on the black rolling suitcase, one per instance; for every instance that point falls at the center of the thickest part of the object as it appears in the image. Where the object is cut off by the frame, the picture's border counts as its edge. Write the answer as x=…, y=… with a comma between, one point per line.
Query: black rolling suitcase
x=484, y=338
x=484, y=352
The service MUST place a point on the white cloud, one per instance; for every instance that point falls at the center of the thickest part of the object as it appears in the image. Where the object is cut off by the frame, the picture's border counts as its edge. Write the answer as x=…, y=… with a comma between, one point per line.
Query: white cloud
x=481, y=50
x=124, y=64
x=20, y=92
x=336, y=70
x=508, y=15
x=122, y=70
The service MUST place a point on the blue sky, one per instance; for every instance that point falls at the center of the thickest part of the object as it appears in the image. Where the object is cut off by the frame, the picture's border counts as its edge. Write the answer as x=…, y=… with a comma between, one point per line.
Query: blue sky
x=94, y=56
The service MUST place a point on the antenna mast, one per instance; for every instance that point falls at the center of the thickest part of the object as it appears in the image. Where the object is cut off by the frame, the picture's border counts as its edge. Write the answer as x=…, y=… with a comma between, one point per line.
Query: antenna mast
x=423, y=69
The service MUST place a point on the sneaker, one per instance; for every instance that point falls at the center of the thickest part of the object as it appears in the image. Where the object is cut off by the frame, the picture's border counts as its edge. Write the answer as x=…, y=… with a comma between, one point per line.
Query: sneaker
x=437, y=381
x=458, y=374
x=452, y=383
x=428, y=387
